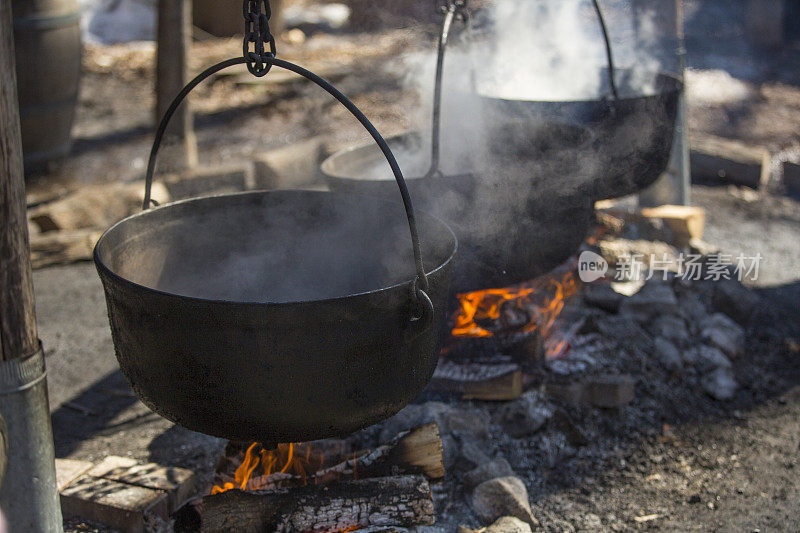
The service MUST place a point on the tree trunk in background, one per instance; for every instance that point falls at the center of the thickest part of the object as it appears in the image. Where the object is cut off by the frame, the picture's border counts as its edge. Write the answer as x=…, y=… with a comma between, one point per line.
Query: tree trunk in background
x=174, y=45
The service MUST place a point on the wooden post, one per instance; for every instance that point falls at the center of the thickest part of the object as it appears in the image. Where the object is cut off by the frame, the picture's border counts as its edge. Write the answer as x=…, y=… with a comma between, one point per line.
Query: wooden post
x=174, y=44
x=17, y=322
x=764, y=22
x=28, y=496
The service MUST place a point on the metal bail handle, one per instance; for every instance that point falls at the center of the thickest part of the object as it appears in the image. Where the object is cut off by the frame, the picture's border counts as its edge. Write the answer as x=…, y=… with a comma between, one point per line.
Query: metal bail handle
x=609, y=52
x=451, y=9
x=420, y=285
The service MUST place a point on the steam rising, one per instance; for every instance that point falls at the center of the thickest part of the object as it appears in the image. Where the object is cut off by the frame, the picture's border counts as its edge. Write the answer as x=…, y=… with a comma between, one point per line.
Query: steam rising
x=523, y=165
x=527, y=142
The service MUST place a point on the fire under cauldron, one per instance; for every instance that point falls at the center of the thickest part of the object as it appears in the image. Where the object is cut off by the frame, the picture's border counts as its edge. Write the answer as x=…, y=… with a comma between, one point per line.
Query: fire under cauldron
x=277, y=316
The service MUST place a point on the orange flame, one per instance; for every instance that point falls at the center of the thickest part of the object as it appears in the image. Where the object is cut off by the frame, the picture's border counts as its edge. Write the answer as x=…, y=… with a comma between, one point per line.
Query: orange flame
x=542, y=299
x=293, y=459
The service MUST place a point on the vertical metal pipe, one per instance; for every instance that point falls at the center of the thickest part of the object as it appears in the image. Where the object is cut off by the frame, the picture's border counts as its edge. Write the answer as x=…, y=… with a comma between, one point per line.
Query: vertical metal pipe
x=28, y=497
x=683, y=117
x=674, y=186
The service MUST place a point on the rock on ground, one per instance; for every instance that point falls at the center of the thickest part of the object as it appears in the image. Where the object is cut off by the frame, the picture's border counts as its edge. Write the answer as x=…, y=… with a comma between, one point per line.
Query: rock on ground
x=706, y=358
x=720, y=384
x=487, y=471
x=505, y=496
x=672, y=328
x=735, y=300
x=724, y=334
x=656, y=298
x=524, y=416
x=668, y=355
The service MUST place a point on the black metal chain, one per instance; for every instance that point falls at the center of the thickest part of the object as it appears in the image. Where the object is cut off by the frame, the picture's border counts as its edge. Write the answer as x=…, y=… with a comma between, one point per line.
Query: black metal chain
x=257, y=14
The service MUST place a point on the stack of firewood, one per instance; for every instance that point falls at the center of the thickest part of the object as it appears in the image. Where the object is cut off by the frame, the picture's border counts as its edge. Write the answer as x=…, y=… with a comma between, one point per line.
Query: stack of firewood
x=350, y=491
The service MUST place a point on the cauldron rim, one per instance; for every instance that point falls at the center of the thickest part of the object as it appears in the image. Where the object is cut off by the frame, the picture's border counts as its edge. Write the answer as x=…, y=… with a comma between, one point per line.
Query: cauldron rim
x=105, y=269
x=328, y=164
x=664, y=75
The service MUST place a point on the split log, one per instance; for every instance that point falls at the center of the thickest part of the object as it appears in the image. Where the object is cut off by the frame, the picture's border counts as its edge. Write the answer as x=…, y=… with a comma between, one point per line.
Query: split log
x=418, y=451
x=402, y=500
x=479, y=382
x=94, y=206
x=63, y=247
x=722, y=161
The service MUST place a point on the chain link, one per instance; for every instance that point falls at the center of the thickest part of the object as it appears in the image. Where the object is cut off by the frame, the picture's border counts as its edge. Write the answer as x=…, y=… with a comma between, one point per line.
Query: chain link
x=257, y=14
x=459, y=7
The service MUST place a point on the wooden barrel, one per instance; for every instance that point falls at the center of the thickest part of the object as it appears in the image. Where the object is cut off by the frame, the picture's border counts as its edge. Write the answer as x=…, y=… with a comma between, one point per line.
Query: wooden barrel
x=223, y=18
x=47, y=40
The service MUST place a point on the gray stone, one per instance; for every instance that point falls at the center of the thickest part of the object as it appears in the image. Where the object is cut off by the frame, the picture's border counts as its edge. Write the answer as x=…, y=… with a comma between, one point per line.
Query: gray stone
x=720, y=384
x=610, y=390
x=464, y=421
x=656, y=298
x=693, y=309
x=672, y=328
x=487, y=471
x=602, y=296
x=505, y=496
x=668, y=355
x=706, y=358
x=450, y=450
x=735, y=300
x=474, y=453
x=524, y=416
x=723, y=333
x=625, y=333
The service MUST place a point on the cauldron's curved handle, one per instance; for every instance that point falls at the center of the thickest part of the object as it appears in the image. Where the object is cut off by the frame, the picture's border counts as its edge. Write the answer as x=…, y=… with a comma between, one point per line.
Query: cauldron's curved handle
x=421, y=283
x=609, y=51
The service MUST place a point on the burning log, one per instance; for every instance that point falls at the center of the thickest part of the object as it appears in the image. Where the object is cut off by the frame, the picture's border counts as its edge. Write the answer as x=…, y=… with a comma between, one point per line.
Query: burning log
x=418, y=451
x=401, y=500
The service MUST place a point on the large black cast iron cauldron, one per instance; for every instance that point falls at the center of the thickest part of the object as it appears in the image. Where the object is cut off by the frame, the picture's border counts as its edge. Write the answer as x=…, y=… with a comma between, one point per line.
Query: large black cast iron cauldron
x=277, y=316
x=513, y=222
x=632, y=135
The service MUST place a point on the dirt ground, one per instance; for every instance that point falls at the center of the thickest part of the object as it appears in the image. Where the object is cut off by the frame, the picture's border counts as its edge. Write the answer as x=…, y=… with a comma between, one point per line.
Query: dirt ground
x=697, y=464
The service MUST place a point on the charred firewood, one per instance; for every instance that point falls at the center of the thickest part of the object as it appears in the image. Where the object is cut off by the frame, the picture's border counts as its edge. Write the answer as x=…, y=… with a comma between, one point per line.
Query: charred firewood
x=401, y=500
